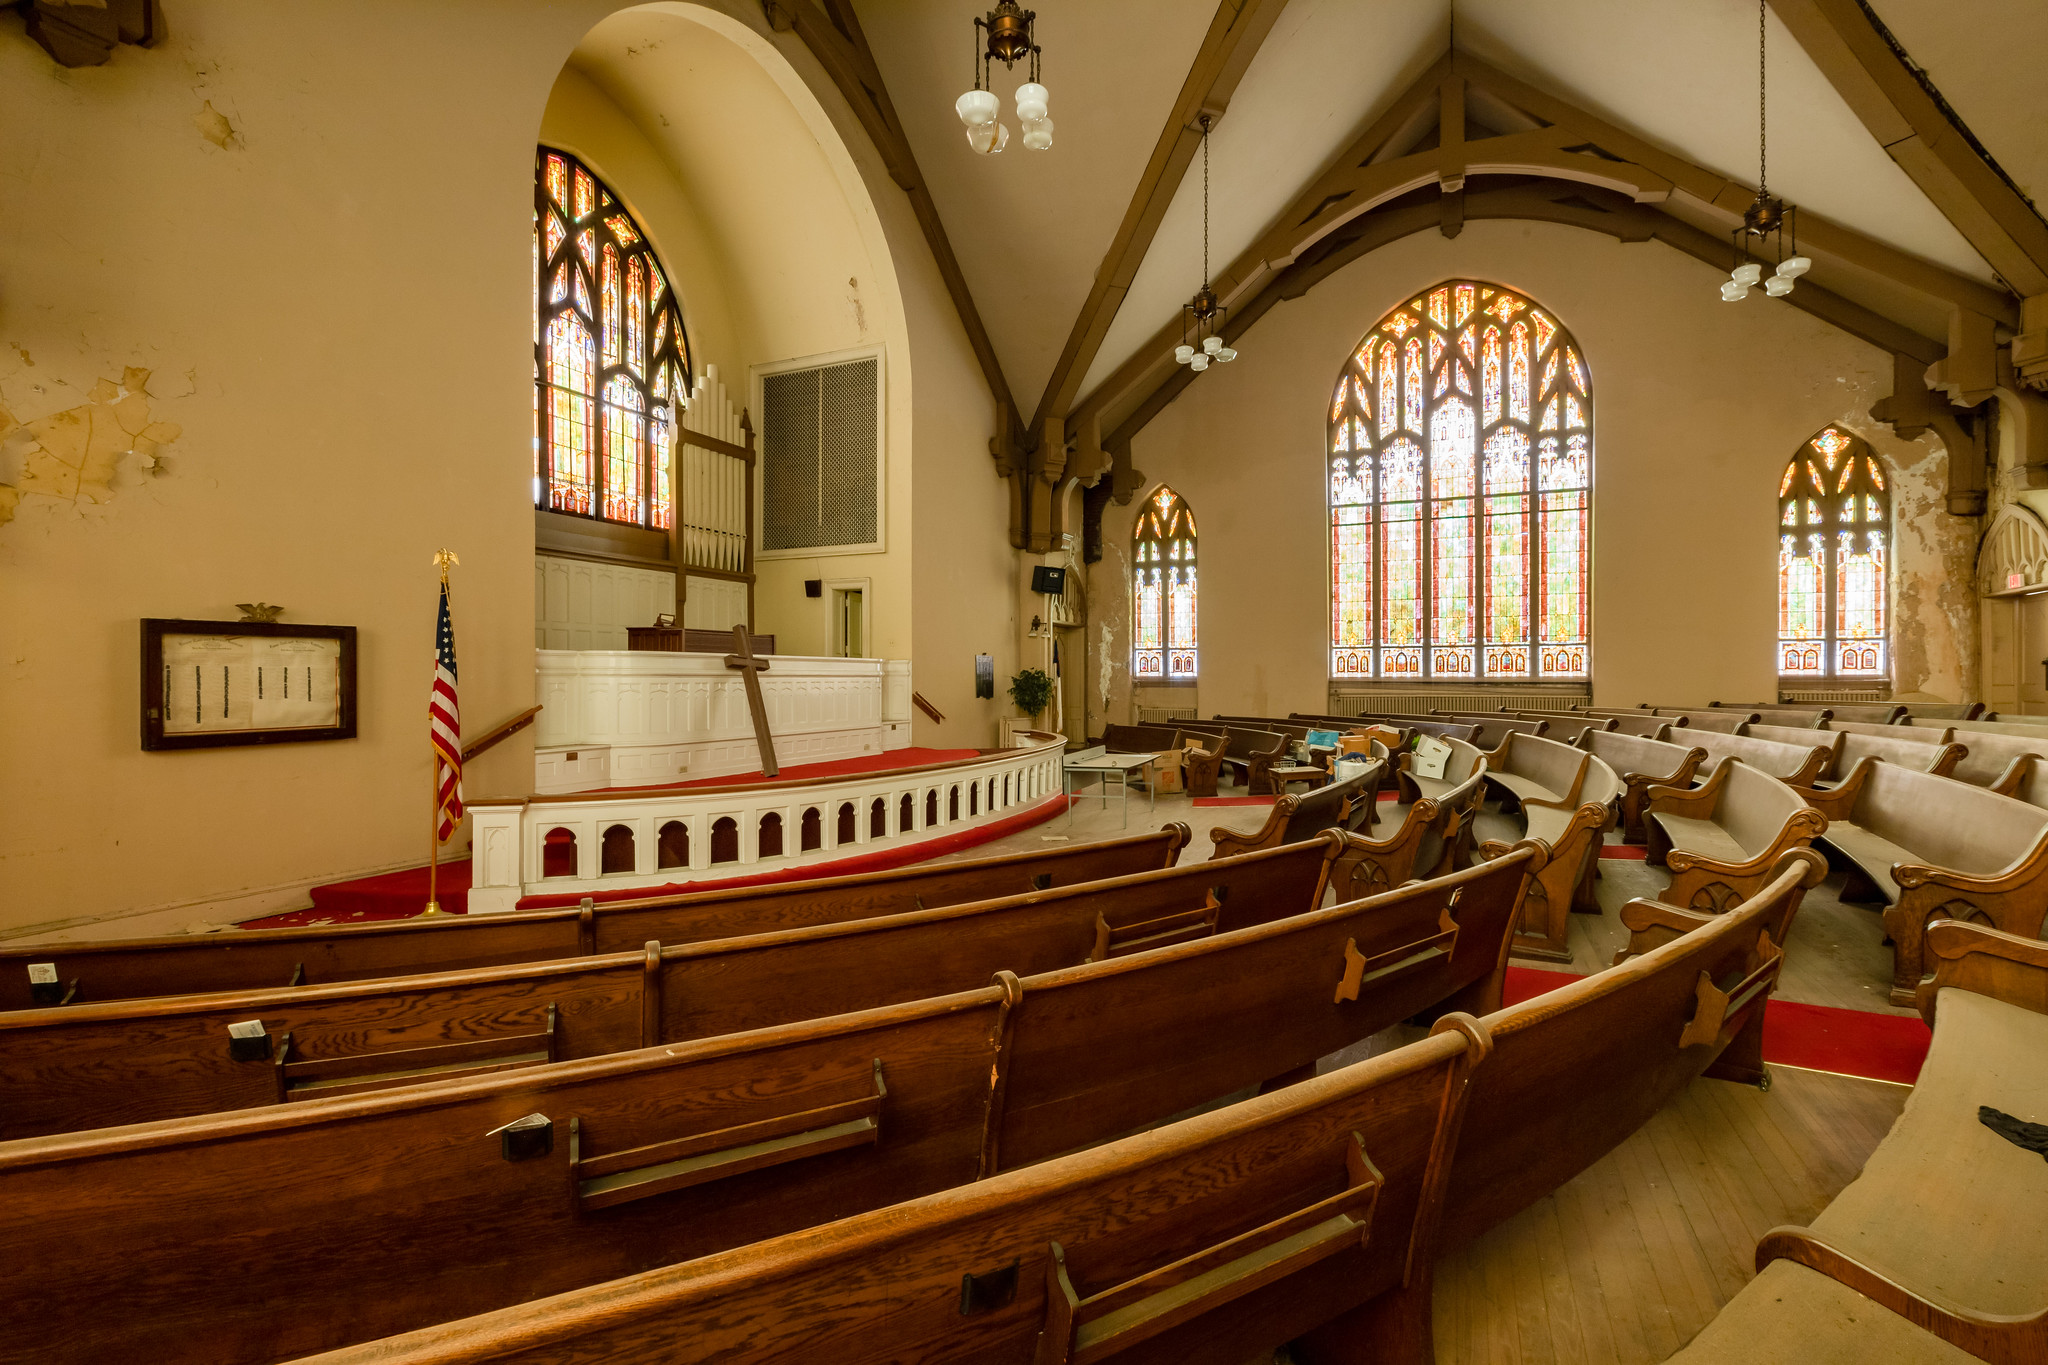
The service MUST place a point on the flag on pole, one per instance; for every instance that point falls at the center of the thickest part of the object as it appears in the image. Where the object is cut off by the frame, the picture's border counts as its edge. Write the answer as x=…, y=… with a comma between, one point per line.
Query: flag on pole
x=444, y=725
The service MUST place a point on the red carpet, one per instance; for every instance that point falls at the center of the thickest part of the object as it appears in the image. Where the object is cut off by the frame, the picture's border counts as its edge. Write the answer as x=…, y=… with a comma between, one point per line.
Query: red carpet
x=399, y=895
x=813, y=772
x=1628, y=853
x=1879, y=1047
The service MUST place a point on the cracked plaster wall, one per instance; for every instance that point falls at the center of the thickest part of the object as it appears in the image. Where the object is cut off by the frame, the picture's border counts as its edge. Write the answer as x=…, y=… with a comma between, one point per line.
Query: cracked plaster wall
x=300, y=234
x=1697, y=404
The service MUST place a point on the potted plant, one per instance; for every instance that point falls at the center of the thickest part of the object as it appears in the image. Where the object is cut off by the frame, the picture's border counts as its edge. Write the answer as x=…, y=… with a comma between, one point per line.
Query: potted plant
x=1032, y=691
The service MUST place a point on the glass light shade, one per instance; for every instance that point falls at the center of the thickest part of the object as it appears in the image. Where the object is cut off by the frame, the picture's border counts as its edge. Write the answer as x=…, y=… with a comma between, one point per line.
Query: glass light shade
x=1777, y=286
x=988, y=138
x=1225, y=356
x=976, y=107
x=1731, y=292
x=1038, y=134
x=1200, y=362
x=1031, y=98
x=1746, y=273
x=1183, y=354
x=1212, y=344
x=1792, y=267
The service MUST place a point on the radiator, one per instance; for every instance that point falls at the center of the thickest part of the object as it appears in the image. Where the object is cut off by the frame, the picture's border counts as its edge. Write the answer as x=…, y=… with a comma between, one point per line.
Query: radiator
x=1863, y=695
x=1343, y=703
x=1148, y=715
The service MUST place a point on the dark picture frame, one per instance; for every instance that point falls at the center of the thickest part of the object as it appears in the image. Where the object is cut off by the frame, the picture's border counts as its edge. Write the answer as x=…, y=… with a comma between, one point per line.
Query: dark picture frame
x=159, y=691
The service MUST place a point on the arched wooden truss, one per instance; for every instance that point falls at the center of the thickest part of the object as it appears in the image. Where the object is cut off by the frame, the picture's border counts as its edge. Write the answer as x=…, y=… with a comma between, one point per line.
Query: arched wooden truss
x=2013, y=557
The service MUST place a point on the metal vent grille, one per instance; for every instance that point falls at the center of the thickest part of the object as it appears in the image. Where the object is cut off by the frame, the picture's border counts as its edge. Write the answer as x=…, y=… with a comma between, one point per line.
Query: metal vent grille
x=818, y=465
x=1864, y=694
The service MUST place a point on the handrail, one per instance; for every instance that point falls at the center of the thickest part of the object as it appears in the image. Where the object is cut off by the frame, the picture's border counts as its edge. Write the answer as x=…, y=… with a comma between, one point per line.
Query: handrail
x=510, y=727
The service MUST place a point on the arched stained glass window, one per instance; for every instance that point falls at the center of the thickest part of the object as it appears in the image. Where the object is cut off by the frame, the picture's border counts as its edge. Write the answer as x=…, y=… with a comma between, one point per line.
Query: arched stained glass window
x=1834, y=541
x=609, y=353
x=1460, y=460
x=1163, y=598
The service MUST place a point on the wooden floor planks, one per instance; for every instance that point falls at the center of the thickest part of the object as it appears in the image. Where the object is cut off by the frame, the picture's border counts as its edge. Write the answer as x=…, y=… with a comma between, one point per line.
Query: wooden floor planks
x=1625, y=1263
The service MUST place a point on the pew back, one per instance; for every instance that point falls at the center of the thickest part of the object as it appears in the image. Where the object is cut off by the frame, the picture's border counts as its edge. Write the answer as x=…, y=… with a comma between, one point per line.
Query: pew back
x=1910, y=734
x=1945, y=823
x=1799, y=764
x=1992, y=754
x=244, y=960
x=1052, y=1240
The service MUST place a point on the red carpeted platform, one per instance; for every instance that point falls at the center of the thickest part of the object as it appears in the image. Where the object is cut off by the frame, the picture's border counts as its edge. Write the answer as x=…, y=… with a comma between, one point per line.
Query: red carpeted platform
x=1878, y=1047
x=818, y=772
x=399, y=895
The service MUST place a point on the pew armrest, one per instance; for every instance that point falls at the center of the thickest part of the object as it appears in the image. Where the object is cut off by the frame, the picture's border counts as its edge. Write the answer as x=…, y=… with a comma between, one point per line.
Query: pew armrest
x=1231, y=841
x=2013, y=778
x=1697, y=802
x=2000, y=1339
x=1985, y=961
x=1948, y=755
x=2028, y=868
x=1836, y=802
x=1652, y=924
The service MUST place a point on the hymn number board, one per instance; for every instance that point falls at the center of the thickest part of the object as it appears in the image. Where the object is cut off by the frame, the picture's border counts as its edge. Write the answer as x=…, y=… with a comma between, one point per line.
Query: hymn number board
x=211, y=683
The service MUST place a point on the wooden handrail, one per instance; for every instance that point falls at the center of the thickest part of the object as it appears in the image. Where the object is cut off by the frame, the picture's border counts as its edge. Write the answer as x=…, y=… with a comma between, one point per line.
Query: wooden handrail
x=510, y=727
x=917, y=700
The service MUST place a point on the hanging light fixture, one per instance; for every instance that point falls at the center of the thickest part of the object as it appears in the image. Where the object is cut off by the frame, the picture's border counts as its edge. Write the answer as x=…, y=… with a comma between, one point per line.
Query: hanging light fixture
x=1006, y=34
x=1766, y=218
x=1203, y=316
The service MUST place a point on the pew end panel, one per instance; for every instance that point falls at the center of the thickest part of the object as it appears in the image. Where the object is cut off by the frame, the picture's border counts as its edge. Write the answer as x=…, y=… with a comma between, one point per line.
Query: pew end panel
x=1654, y=923
x=1984, y=961
x=1369, y=866
x=2013, y=900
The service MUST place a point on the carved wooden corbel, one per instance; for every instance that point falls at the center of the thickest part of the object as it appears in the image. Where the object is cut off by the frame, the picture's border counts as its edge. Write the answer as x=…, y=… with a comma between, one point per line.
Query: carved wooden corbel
x=86, y=35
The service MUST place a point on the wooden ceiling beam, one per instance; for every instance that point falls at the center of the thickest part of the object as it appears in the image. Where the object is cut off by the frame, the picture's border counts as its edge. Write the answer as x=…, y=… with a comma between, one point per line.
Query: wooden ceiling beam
x=1235, y=35
x=1926, y=139
x=834, y=37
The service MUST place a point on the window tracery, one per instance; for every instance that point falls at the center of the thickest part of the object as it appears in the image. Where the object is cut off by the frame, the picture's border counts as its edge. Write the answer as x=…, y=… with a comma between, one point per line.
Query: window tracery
x=1460, y=462
x=1834, y=541
x=609, y=352
x=1163, y=594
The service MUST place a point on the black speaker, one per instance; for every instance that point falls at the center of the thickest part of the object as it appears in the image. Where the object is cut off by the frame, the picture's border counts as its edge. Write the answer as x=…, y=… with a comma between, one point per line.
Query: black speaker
x=1046, y=578
x=814, y=587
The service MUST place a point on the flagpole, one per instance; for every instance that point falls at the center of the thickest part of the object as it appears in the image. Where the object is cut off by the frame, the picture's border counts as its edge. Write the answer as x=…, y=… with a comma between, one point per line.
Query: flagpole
x=442, y=559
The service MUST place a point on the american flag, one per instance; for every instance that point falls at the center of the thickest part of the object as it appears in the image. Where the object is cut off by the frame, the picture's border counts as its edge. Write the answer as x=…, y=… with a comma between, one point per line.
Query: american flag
x=444, y=726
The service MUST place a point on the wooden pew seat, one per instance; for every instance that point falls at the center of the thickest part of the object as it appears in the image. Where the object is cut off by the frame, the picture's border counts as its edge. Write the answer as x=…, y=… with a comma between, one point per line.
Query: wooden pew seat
x=1642, y=763
x=1563, y=798
x=1931, y=847
x=1790, y=1315
x=1720, y=839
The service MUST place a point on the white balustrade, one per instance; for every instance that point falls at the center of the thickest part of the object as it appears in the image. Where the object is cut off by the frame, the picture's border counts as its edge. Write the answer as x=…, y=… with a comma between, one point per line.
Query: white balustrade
x=563, y=845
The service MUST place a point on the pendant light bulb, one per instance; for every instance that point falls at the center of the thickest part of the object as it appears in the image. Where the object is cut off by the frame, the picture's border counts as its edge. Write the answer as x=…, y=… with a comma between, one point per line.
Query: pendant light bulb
x=1212, y=344
x=1183, y=354
x=1777, y=286
x=1792, y=267
x=976, y=107
x=1200, y=362
x=1038, y=134
x=1734, y=292
x=1747, y=273
x=1225, y=356
x=1031, y=101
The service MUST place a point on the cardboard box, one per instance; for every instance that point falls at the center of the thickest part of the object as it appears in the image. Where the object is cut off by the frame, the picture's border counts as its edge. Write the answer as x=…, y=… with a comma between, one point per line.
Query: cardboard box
x=1167, y=772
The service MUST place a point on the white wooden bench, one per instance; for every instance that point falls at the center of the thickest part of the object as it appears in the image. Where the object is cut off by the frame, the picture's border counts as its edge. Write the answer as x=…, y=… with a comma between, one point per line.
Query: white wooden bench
x=1565, y=799
x=1935, y=848
x=1720, y=840
x=1935, y=1254
x=1642, y=764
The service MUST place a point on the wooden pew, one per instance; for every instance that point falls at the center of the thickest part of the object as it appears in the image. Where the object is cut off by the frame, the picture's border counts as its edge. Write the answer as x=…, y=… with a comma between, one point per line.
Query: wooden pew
x=1945, y=710
x=1466, y=760
x=1641, y=764
x=1798, y=764
x=1346, y=805
x=1648, y=724
x=1931, y=848
x=1850, y=747
x=1203, y=1243
x=664, y=1154
x=1784, y=716
x=1912, y=734
x=1566, y=726
x=1720, y=840
x=1934, y=1253
x=1995, y=759
x=131, y=1061
x=1565, y=798
x=1579, y=1069
x=1489, y=730
x=177, y=964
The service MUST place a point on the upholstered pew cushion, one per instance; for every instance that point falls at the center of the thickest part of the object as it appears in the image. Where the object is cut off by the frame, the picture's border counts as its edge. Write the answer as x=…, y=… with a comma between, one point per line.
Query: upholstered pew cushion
x=1790, y=1315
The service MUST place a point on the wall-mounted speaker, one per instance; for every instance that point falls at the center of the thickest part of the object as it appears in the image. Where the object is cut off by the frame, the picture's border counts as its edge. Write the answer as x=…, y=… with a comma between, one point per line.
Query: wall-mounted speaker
x=814, y=587
x=1046, y=578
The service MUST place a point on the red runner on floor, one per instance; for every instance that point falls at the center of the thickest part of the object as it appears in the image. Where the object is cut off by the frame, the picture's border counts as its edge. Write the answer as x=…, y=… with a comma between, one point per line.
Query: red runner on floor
x=400, y=894
x=1878, y=1047
x=1635, y=853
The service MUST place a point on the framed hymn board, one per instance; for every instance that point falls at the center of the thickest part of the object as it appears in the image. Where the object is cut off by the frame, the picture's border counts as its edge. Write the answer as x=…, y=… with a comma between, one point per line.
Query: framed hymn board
x=206, y=684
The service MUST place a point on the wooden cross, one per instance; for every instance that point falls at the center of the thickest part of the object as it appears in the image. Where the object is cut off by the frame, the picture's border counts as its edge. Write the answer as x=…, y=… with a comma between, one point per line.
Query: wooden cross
x=751, y=670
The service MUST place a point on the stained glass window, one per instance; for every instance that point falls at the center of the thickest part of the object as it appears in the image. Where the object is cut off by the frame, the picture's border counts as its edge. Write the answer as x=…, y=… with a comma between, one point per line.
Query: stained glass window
x=599, y=296
x=1460, y=524
x=1834, y=529
x=1163, y=591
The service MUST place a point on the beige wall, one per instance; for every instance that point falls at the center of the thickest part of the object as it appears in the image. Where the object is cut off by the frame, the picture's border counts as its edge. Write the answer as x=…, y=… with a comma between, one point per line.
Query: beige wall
x=330, y=288
x=1697, y=405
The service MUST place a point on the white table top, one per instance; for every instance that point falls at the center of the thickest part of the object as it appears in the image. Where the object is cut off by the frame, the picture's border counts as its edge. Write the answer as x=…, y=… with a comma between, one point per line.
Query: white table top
x=1113, y=763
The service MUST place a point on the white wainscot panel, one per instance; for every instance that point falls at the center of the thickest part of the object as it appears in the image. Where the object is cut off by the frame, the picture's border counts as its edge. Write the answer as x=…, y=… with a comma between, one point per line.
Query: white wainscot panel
x=582, y=604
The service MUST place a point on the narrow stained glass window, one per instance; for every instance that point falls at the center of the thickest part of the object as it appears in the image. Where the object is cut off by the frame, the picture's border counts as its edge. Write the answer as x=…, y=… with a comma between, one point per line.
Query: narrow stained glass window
x=1163, y=605
x=600, y=449
x=1833, y=554
x=1459, y=542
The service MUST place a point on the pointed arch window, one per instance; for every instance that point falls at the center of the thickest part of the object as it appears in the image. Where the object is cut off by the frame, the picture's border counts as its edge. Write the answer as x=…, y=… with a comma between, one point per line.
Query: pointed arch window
x=609, y=352
x=1834, y=547
x=1460, y=463
x=1163, y=596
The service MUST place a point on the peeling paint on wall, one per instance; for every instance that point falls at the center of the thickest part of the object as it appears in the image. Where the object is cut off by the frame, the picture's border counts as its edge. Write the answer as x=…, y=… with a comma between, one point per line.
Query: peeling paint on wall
x=69, y=456
x=215, y=128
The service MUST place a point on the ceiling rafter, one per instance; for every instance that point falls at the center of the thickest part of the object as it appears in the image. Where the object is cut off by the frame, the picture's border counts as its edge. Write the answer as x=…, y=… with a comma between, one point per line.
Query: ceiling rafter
x=1566, y=143
x=834, y=37
x=1235, y=35
x=1926, y=140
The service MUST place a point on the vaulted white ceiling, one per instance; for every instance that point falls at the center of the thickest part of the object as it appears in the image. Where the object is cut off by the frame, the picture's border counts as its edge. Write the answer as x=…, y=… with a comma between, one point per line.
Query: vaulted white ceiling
x=1031, y=228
